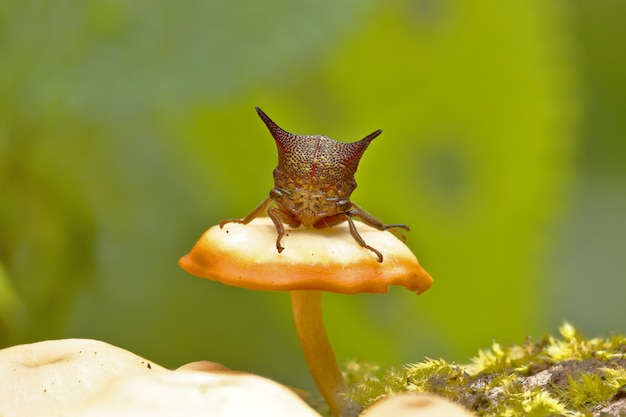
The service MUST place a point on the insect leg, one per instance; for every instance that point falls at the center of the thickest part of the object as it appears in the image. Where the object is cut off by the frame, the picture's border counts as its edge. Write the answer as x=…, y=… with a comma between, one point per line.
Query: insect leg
x=355, y=234
x=278, y=217
x=376, y=223
x=253, y=214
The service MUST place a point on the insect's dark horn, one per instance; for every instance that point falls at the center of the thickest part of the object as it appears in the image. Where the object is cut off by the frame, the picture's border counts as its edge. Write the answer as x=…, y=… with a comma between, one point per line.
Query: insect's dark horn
x=277, y=132
x=360, y=146
x=367, y=139
x=354, y=151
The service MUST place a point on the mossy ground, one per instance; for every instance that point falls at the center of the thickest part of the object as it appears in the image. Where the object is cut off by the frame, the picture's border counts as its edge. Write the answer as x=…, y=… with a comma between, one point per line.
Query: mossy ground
x=566, y=376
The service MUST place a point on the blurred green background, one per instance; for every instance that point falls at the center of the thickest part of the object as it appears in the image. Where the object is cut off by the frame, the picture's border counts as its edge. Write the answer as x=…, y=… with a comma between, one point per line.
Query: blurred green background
x=128, y=128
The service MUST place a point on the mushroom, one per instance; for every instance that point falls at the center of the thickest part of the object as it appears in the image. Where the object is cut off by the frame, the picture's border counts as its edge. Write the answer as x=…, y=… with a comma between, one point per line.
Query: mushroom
x=318, y=260
x=409, y=404
x=205, y=366
x=49, y=377
x=194, y=394
x=214, y=367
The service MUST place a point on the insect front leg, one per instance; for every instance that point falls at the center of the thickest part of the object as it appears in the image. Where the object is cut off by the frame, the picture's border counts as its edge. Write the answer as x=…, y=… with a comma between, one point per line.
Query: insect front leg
x=376, y=223
x=278, y=217
x=355, y=234
x=336, y=219
x=253, y=214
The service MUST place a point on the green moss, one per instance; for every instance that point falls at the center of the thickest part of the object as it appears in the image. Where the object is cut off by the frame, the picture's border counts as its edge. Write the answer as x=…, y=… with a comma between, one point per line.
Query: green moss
x=566, y=376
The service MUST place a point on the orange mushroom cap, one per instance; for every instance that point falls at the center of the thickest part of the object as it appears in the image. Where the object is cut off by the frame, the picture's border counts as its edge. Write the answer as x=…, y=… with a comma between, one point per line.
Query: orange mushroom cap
x=321, y=259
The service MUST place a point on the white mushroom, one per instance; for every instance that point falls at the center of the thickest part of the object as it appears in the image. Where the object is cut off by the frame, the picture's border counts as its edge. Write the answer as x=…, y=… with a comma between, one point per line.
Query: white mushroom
x=195, y=394
x=411, y=404
x=48, y=378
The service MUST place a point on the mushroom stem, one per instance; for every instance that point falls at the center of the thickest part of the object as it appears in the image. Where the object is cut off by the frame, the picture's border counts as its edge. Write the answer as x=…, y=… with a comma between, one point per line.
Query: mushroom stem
x=319, y=355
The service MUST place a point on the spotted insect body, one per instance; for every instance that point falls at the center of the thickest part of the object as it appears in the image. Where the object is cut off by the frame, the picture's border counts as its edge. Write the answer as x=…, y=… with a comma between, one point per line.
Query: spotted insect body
x=313, y=183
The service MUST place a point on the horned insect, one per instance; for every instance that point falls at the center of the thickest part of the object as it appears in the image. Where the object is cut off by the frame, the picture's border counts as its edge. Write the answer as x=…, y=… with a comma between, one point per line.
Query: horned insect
x=313, y=183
